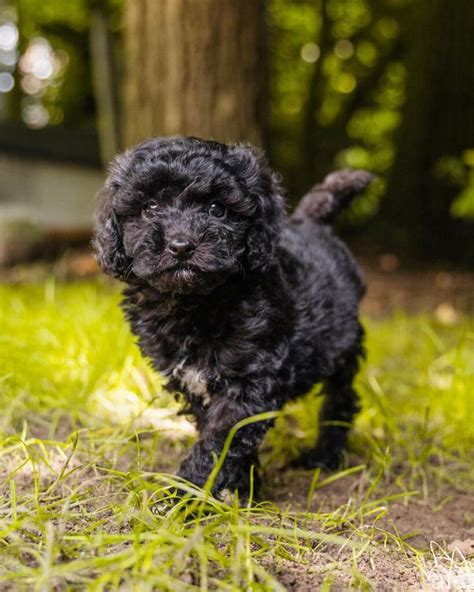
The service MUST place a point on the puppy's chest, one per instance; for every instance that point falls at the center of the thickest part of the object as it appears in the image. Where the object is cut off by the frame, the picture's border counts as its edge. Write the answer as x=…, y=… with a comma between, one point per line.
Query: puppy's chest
x=186, y=364
x=189, y=363
x=196, y=359
x=198, y=368
x=193, y=380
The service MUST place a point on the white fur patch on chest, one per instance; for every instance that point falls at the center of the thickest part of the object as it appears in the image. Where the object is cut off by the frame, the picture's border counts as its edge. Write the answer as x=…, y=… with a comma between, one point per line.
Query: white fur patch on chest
x=193, y=380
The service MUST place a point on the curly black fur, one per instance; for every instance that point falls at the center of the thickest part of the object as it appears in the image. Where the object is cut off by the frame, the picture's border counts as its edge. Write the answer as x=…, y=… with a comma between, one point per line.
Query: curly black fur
x=241, y=307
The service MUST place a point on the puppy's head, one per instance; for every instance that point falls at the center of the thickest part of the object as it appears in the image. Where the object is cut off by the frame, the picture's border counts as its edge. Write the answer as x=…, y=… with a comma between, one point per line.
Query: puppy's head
x=183, y=214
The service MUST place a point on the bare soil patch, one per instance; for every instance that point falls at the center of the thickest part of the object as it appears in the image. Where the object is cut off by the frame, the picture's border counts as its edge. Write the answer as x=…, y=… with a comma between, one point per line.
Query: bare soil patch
x=429, y=525
x=437, y=290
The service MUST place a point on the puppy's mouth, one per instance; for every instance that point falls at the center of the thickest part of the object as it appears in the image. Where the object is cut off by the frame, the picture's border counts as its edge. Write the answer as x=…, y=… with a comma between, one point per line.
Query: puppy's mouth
x=180, y=277
x=187, y=278
x=179, y=266
x=181, y=270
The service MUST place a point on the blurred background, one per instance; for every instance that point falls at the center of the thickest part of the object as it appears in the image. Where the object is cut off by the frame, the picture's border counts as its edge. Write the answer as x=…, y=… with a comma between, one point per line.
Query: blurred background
x=386, y=85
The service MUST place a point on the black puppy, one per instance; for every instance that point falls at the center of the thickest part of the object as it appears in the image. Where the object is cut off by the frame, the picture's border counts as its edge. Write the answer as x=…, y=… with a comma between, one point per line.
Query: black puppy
x=239, y=306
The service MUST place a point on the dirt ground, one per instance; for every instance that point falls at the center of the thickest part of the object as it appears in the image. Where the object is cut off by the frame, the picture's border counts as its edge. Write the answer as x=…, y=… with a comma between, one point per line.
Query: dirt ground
x=437, y=526
x=436, y=290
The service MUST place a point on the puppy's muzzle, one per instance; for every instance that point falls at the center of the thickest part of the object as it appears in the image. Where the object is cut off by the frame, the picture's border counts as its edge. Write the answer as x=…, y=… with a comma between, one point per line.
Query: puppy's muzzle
x=181, y=248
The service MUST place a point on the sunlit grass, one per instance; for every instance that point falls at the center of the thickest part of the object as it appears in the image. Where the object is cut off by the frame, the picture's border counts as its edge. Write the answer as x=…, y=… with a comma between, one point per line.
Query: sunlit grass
x=88, y=440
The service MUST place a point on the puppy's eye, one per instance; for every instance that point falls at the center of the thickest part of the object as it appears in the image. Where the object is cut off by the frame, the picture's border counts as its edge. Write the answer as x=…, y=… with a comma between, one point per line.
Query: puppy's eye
x=216, y=209
x=151, y=205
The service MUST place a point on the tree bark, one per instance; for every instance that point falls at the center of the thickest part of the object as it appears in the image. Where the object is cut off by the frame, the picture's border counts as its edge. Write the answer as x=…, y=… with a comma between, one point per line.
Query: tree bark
x=194, y=67
x=438, y=120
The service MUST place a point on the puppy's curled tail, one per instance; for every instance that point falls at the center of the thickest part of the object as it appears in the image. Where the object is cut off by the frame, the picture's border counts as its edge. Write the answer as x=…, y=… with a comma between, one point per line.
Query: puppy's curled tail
x=325, y=200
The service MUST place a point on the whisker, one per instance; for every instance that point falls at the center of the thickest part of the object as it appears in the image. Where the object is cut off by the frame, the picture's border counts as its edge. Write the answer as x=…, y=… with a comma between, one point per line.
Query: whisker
x=128, y=271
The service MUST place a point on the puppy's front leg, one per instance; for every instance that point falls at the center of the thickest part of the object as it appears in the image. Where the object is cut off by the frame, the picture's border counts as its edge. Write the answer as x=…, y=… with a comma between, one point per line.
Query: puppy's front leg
x=224, y=413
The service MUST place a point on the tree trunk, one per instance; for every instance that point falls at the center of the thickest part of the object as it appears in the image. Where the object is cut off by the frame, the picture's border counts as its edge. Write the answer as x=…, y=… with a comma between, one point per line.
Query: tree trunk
x=194, y=67
x=438, y=120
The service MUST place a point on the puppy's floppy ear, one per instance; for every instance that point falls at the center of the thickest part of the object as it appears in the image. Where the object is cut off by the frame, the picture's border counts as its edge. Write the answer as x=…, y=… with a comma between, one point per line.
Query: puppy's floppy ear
x=264, y=234
x=264, y=190
x=108, y=236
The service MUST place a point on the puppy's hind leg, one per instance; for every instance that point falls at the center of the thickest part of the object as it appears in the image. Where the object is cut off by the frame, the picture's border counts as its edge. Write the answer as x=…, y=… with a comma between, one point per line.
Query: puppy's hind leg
x=339, y=407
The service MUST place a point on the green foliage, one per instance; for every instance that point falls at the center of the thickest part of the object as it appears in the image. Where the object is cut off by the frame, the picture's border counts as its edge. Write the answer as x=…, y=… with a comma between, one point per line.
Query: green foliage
x=67, y=96
x=66, y=31
x=85, y=427
x=337, y=87
x=37, y=13
x=460, y=172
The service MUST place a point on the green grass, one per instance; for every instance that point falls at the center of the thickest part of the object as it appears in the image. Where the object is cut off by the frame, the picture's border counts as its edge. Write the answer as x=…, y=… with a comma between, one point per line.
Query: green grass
x=88, y=440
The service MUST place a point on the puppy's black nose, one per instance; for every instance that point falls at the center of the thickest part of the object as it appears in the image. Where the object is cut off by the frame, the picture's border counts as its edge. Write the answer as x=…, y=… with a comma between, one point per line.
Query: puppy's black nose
x=181, y=247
